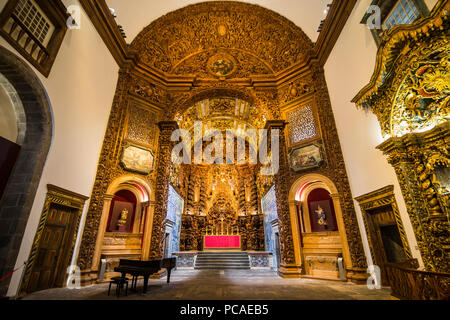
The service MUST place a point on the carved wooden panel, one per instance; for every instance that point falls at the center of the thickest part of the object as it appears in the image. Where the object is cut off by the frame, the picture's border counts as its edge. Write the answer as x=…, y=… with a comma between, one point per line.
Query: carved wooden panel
x=141, y=126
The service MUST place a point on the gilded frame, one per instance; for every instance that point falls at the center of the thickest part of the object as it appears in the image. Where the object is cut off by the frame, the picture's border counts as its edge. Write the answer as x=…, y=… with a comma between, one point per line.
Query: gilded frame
x=130, y=145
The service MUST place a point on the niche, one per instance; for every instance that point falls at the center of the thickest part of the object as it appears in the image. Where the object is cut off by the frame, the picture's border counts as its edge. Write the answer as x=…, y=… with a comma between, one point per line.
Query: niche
x=122, y=212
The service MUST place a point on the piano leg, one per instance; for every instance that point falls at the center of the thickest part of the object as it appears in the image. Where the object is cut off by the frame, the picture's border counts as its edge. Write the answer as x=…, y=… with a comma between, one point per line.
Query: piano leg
x=168, y=275
x=145, y=283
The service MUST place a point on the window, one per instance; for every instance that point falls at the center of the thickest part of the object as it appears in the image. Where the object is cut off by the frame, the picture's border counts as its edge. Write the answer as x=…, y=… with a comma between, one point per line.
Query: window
x=395, y=12
x=404, y=12
x=35, y=28
x=302, y=124
x=34, y=20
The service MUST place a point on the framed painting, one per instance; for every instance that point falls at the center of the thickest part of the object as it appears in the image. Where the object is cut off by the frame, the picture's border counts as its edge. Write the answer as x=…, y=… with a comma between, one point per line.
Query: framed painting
x=305, y=157
x=137, y=159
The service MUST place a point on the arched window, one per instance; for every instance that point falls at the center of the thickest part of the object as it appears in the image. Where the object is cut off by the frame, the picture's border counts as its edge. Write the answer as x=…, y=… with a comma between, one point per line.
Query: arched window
x=321, y=211
x=122, y=212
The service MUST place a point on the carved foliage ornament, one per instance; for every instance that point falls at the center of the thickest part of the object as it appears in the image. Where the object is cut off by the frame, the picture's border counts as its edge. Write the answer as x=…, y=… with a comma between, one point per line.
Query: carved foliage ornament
x=192, y=30
x=423, y=99
x=409, y=90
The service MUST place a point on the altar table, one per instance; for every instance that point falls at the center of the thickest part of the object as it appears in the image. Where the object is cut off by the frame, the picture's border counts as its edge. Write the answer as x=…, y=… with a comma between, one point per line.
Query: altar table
x=222, y=242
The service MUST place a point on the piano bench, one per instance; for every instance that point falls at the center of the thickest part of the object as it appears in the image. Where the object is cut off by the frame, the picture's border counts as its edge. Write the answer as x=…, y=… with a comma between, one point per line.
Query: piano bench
x=119, y=282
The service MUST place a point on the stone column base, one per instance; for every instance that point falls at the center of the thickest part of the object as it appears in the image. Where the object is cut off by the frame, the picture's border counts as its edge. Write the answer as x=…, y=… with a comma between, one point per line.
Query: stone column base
x=290, y=271
x=357, y=275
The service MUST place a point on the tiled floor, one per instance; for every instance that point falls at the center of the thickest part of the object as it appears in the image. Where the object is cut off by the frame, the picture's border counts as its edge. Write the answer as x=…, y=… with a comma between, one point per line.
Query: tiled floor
x=225, y=285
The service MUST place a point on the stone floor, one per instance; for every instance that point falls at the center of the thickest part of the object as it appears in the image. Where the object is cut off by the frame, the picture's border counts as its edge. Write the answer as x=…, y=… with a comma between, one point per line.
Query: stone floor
x=225, y=285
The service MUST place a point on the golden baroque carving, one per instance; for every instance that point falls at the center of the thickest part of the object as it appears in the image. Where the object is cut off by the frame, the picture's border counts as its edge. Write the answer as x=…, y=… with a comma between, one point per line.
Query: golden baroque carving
x=146, y=90
x=295, y=89
x=276, y=42
x=141, y=125
x=415, y=157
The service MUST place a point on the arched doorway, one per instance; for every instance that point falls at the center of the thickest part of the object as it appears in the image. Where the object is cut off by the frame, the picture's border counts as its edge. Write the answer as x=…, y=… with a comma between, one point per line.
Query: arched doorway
x=32, y=112
x=320, y=237
x=125, y=227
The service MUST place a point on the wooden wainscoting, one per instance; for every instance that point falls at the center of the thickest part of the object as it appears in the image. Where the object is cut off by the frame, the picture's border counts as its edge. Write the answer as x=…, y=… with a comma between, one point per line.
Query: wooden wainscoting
x=321, y=251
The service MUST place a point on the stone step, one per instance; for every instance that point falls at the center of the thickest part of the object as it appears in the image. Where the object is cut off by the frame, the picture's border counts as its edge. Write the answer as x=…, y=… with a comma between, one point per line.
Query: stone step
x=224, y=263
x=228, y=253
x=222, y=260
x=221, y=268
x=221, y=256
x=216, y=260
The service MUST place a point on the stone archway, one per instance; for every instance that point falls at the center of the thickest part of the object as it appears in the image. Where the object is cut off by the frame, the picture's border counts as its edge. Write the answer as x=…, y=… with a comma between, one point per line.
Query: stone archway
x=35, y=134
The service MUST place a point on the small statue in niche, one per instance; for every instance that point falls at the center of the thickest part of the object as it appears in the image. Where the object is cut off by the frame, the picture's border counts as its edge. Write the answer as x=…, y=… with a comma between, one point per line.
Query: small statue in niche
x=122, y=219
x=322, y=217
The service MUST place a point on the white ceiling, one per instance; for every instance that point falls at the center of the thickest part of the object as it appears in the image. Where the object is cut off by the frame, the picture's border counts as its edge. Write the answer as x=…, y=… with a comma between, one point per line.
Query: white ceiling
x=135, y=15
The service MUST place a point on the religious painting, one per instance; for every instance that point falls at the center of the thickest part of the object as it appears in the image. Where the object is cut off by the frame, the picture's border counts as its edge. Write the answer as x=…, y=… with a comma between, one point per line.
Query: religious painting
x=121, y=217
x=221, y=65
x=305, y=157
x=138, y=160
x=322, y=216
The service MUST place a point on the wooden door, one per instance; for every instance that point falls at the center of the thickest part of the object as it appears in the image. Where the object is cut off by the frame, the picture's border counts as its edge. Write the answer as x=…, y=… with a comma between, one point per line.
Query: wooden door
x=386, y=240
x=52, y=260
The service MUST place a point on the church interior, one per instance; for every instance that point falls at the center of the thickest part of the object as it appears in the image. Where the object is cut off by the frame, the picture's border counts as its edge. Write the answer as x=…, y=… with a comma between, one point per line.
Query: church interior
x=204, y=149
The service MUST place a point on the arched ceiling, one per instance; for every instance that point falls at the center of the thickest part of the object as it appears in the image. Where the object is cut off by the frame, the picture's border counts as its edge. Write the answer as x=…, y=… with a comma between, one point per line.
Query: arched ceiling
x=210, y=40
x=135, y=15
x=223, y=114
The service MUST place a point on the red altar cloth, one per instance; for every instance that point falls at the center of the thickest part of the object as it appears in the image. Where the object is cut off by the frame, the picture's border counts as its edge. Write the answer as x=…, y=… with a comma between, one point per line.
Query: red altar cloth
x=222, y=242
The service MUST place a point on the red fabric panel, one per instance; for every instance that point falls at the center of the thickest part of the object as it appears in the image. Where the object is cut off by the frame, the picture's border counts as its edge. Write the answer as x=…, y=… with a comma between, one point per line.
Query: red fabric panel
x=222, y=241
x=9, y=151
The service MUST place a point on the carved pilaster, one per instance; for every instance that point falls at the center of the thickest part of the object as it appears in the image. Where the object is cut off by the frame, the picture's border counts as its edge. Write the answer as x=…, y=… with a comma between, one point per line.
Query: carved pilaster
x=288, y=268
x=164, y=165
x=415, y=157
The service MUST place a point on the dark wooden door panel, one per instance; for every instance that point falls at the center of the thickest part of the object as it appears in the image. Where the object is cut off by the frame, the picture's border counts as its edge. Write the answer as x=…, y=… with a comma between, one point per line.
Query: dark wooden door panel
x=52, y=255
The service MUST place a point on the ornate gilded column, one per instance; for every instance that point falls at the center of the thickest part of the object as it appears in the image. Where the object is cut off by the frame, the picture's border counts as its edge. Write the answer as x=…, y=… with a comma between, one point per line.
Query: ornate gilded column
x=149, y=208
x=290, y=267
x=107, y=199
x=162, y=181
x=415, y=158
x=296, y=231
x=355, y=274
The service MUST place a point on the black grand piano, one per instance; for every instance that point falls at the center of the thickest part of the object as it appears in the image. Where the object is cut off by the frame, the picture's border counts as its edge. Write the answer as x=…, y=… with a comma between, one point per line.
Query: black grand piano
x=138, y=268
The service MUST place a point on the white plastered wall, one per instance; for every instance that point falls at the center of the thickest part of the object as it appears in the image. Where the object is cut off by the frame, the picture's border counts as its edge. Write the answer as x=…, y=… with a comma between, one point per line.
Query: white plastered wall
x=80, y=88
x=348, y=69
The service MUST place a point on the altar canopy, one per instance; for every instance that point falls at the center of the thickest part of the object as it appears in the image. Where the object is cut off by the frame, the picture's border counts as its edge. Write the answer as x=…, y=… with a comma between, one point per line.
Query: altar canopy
x=222, y=242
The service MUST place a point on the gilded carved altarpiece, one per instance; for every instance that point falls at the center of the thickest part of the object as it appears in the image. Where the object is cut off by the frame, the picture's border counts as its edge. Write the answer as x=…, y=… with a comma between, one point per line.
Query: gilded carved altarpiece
x=203, y=52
